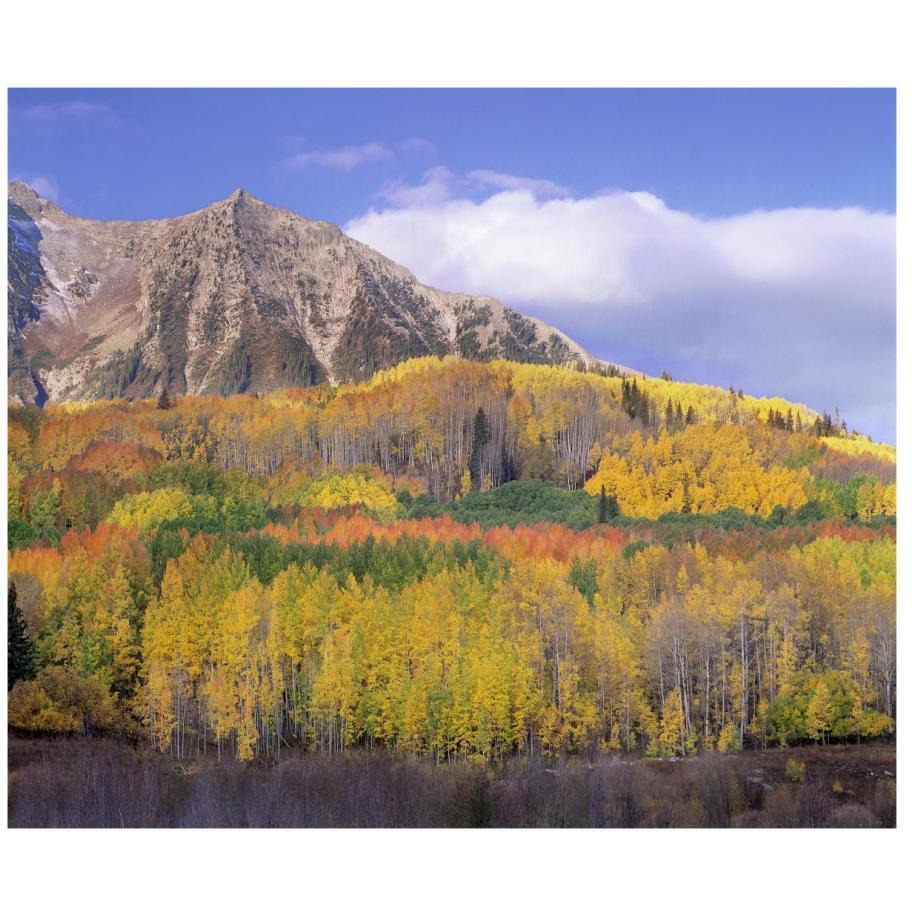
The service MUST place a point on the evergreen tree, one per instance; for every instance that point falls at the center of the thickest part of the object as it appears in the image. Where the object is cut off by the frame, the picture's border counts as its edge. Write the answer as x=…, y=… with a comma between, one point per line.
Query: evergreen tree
x=612, y=508
x=608, y=507
x=481, y=435
x=686, y=505
x=629, y=396
x=642, y=406
x=823, y=426
x=43, y=512
x=163, y=401
x=20, y=653
x=644, y=412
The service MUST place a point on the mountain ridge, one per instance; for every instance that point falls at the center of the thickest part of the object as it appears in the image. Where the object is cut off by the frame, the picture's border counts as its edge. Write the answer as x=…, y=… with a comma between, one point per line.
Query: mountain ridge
x=236, y=296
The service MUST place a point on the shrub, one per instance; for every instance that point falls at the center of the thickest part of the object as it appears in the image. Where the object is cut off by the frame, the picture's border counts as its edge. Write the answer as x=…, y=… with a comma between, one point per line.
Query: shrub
x=60, y=702
x=150, y=509
x=337, y=490
x=852, y=816
x=795, y=770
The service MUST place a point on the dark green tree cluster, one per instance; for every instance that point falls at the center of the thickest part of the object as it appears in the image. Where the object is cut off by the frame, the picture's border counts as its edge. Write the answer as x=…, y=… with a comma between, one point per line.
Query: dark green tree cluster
x=481, y=436
x=608, y=506
x=636, y=402
x=512, y=504
x=676, y=418
x=788, y=422
x=603, y=370
x=20, y=652
x=826, y=426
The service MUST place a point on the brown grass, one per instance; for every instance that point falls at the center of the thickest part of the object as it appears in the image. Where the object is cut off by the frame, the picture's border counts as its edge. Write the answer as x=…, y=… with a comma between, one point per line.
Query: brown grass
x=102, y=783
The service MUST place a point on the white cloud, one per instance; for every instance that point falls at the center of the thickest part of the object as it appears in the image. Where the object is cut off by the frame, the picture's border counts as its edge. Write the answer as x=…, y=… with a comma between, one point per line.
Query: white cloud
x=345, y=158
x=440, y=184
x=437, y=188
x=799, y=302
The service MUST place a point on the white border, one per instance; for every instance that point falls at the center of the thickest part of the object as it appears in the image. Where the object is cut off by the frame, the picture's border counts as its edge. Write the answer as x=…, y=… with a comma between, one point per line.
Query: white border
x=710, y=43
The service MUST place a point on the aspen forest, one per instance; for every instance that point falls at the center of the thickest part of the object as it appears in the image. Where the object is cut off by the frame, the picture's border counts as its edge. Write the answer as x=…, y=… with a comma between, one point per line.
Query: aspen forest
x=454, y=561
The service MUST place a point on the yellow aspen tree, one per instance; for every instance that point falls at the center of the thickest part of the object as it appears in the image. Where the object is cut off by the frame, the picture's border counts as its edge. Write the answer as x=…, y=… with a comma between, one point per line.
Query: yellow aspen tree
x=819, y=716
x=671, y=732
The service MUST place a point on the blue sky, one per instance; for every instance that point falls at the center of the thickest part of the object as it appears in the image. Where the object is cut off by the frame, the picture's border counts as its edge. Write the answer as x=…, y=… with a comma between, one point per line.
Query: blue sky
x=150, y=153
x=730, y=236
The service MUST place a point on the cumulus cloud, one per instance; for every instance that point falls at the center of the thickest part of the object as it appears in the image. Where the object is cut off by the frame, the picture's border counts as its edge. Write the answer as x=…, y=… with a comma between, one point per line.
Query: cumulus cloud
x=436, y=188
x=345, y=158
x=797, y=302
x=440, y=184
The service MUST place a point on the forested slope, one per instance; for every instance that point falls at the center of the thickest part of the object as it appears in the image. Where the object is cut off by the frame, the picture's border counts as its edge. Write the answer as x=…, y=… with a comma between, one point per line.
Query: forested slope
x=453, y=558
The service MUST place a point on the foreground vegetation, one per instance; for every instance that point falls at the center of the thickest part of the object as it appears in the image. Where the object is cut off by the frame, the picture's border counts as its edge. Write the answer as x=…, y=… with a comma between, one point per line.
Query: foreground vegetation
x=88, y=783
x=455, y=560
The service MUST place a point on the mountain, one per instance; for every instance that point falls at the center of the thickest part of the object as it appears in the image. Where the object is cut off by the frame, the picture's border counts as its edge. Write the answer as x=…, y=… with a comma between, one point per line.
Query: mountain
x=237, y=296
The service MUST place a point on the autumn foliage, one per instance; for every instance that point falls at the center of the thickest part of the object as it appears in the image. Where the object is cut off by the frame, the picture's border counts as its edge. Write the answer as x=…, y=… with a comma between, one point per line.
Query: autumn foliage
x=420, y=561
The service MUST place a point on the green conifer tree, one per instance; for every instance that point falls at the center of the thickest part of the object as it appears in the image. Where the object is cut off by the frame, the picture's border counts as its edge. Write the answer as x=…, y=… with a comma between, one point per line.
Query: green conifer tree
x=481, y=435
x=20, y=653
x=603, y=506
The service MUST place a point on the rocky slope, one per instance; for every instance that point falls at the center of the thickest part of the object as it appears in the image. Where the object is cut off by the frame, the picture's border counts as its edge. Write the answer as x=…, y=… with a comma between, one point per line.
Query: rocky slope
x=237, y=296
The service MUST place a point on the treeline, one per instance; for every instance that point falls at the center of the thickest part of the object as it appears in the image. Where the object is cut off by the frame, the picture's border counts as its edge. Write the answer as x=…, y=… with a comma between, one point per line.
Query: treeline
x=454, y=559
x=511, y=644
x=453, y=425
x=444, y=432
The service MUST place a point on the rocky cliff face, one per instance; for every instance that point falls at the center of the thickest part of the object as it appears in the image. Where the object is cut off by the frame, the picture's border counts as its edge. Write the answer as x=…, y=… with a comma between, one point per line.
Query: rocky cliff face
x=238, y=296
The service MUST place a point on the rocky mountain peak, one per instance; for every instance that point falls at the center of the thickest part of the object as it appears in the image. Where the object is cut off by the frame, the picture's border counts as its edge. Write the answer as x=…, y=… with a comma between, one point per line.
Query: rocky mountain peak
x=237, y=296
x=22, y=195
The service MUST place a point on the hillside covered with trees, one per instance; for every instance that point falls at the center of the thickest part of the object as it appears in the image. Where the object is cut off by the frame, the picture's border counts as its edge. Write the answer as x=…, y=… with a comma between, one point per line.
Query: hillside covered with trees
x=455, y=559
